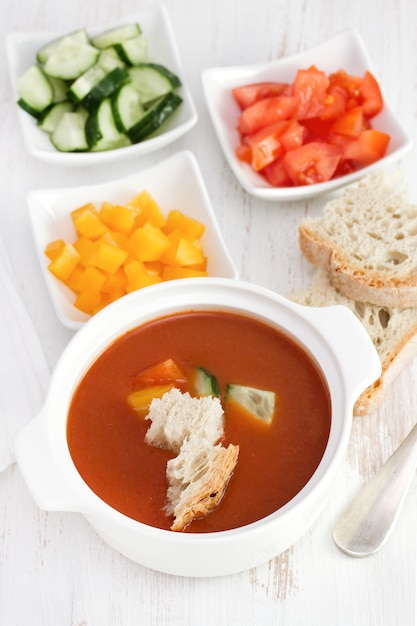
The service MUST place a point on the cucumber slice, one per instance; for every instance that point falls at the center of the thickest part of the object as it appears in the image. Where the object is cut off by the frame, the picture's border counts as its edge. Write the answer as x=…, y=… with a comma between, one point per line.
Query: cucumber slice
x=60, y=88
x=44, y=53
x=205, y=384
x=69, y=134
x=154, y=117
x=50, y=118
x=70, y=59
x=153, y=81
x=116, y=35
x=127, y=107
x=104, y=88
x=35, y=91
x=133, y=51
x=258, y=402
x=109, y=59
x=101, y=130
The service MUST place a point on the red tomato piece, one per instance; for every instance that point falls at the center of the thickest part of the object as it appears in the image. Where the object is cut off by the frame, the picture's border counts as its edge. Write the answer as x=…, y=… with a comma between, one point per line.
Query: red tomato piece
x=276, y=174
x=371, y=95
x=271, y=142
x=244, y=152
x=310, y=89
x=334, y=102
x=369, y=147
x=247, y=95
x=265, y=112
x=266, y=144
x=350, y=85
x=313, y=162
x=349, y=123
x=317, y=128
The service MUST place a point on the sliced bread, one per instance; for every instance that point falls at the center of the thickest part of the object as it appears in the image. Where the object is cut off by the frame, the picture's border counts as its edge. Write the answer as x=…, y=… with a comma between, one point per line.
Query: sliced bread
x=392, y=330
x=199, y=473
x=367, y=240
x=197, y=479
x=177, y=416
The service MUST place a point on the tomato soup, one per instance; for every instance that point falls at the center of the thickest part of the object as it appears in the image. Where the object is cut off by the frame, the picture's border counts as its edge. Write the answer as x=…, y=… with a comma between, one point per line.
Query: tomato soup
x=106, y=436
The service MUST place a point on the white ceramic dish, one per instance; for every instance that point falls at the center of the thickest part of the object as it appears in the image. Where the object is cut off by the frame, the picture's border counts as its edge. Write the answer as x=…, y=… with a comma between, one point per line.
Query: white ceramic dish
x=174, y=183
x=345, y=51
x=156, y=26
x=333, y=336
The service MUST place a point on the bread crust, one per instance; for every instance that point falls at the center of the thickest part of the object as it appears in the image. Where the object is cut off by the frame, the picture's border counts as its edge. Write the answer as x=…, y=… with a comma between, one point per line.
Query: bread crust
x=353, y=282
x=211, y=489
x=392, y=330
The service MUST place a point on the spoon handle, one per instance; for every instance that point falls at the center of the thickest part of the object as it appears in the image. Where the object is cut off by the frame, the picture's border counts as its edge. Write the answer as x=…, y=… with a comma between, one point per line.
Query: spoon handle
x=366, y=523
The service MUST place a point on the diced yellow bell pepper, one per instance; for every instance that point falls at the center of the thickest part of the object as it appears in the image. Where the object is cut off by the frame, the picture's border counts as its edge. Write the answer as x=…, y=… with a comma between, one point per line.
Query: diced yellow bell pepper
x=92, y=280
x=115, y=282
x=88, y=302
x=148, y=243
x=87, y=222
x=147, y=210
x=183, y=251
x=178, y=221
x=74, y=279
x=173, y=272
x=65, y=262
x=86, y=248
x=108, y=257
x=140, y=400
x=54, y=248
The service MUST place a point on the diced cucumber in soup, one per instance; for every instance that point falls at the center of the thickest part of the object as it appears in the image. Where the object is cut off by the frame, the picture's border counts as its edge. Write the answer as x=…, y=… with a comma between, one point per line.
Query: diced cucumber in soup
x=205, y=383
x=260, y=403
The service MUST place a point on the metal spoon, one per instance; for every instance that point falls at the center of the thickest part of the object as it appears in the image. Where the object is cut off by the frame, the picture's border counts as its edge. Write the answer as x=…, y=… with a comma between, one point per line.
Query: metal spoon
x=367, y=522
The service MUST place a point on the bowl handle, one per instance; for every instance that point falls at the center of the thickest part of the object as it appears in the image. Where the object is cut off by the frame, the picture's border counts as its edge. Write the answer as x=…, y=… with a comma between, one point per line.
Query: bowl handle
x=40, y=471
x=351, y=344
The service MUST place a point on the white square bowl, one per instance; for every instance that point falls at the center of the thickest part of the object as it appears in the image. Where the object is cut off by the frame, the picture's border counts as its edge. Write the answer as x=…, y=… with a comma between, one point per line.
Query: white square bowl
x=345, y=51
x=174, y=183
x=156, y=27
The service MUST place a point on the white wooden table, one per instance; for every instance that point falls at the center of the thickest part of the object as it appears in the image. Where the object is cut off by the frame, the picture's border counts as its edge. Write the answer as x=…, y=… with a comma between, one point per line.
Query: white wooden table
x=54, y=570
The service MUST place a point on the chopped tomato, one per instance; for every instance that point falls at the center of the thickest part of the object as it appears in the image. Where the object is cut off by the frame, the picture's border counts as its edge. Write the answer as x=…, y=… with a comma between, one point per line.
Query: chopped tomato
x=271, y=142
x=312, y=163
x=309, y=131
x=244, y=152
x=310, y=89
x=266, y=145
x=371, y=94
x=247, y=95
x=276, y=174
x=334, y=102
x=265, y=112
x=350, y=85
x=369, y=147
x=349, y=123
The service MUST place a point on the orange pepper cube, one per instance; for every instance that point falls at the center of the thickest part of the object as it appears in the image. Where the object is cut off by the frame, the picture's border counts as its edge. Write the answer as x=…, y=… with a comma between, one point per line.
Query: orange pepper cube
x=108, y=257
x=106, y=213
x=54, y=248
x=183, y=251
x=173, y=272
x=189, y=226
x=147, y=209
x=92, y=280
x=74, y=279
x=88, y=302
x=65, y=262
x=134, y=270
x=86, y=248
x=88, y=223
x=148, y=243
x=122, y=219
x=115, y=282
